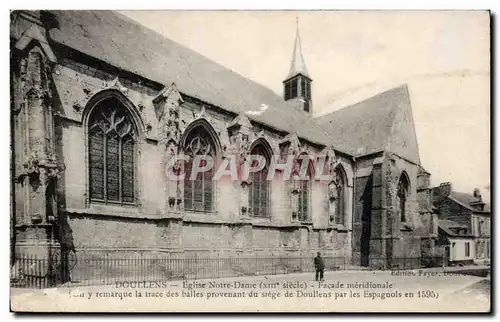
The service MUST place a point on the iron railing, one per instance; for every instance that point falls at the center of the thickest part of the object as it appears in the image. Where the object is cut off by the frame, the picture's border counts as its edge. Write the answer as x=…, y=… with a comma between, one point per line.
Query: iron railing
x=87, y=268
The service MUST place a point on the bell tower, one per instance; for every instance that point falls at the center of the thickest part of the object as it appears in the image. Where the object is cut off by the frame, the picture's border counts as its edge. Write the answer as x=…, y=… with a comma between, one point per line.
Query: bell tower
x=297, y=85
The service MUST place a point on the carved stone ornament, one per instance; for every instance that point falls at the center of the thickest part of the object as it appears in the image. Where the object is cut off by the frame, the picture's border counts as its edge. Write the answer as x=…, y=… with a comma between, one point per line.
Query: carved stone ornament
x=116, y=84
x=203, y=115
x=167, y=109
x=293, y=144
x=332, y=190
x=31, y=164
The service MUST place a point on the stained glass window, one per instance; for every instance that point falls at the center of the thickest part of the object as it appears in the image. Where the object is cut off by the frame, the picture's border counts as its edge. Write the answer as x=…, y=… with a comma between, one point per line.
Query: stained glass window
x=303, y=195
x=111, y=153
x=199, y=191
x=402, y=195
x=340, y=198
x=258, y=197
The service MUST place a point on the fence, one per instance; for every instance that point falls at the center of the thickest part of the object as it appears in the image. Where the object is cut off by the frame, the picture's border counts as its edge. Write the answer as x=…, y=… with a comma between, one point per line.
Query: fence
x=109, y=268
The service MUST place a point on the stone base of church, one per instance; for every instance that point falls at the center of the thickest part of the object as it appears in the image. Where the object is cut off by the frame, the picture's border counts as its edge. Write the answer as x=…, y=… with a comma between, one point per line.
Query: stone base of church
x=36, y=258
x=116, y=249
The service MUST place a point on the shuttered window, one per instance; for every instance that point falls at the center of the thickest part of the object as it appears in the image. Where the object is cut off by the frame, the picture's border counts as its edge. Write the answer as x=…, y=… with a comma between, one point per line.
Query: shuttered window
x=258, y=197
x=199, y=191
x=294, y=87
x=303, y=87
x=288, y=90
x=111, y=154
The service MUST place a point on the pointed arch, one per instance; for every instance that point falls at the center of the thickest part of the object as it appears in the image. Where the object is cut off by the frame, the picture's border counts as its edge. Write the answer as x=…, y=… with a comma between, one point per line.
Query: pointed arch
x=199, y=140
x=112, y=136
x=266, y=146
x=340, y=181
x=260, y=188
x=109, y=94
x=403, y=191
x=202, y=125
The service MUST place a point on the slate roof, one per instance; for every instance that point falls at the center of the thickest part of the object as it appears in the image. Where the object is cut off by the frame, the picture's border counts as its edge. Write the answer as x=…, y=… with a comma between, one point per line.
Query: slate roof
x=123, y=43
x=465, y=199
x=447, y=225
x=364, y=127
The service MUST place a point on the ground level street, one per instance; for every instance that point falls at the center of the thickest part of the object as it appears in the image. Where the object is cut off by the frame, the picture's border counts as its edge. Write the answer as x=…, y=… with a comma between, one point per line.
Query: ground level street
x=352, y=291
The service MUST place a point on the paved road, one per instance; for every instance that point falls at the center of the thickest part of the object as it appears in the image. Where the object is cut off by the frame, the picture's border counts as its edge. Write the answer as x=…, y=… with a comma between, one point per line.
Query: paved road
x=352, y=291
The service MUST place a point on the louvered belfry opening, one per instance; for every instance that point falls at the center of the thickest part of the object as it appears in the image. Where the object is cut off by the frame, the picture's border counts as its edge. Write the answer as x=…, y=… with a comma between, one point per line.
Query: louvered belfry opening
x=259, y=192
x=199, y=191
x=112, y=140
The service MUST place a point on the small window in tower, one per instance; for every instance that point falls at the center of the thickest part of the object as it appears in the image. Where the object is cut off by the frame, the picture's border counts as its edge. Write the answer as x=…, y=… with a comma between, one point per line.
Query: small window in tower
x=308, y=91
x=294, y=88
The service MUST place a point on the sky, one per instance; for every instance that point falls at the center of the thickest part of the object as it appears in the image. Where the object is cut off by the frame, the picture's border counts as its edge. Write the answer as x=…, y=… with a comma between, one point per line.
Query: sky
x=443, y=56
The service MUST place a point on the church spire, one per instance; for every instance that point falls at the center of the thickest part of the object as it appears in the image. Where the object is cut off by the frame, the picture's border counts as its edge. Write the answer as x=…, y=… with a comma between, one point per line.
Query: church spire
x=297, y=85
x=298, y=65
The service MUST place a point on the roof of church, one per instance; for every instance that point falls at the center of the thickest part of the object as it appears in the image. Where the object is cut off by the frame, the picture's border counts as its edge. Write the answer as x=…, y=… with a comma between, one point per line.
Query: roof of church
x=365, y=127
x=298, y=64
x=123, y=43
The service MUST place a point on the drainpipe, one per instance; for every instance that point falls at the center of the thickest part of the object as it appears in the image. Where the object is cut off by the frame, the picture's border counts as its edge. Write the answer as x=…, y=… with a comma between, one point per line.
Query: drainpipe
x=353, y=202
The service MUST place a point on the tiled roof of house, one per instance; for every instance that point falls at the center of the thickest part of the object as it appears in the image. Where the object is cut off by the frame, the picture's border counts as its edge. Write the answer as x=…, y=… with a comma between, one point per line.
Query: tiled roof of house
x=365, y=127
x=465, y=200
x=123, y=43
x=447, y=225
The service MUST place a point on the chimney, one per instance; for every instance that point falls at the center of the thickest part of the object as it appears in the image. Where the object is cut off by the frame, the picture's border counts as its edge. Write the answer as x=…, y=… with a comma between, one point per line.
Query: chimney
x=477, y=194
x=441, y=192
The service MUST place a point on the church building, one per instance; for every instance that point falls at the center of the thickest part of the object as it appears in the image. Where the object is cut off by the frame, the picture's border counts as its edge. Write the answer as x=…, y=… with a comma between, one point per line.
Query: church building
x=99, y=104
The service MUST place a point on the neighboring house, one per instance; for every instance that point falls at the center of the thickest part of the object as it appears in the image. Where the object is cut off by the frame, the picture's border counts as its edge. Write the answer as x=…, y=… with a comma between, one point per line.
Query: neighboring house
x=469, y=211
x=458, y=242
x=100, y=103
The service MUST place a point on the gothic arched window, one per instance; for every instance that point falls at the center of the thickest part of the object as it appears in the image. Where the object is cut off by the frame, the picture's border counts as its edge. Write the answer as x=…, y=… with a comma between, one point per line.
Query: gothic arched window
x=258, y=196
x=112, y=140
x=402, y=194
x=340, y=197
x=199, y=191
x=304, y=191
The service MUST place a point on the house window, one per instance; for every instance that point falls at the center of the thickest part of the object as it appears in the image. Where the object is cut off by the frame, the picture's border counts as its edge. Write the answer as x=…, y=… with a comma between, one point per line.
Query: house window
x=402, y=194
x=340, y=182
x=258, y=196
x=467, y=249
x=199, y=191
x=112, y=143
x=304, y=191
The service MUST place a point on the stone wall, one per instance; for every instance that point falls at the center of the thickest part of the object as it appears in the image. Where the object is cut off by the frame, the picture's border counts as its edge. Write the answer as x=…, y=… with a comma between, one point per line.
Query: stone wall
x=150, y=225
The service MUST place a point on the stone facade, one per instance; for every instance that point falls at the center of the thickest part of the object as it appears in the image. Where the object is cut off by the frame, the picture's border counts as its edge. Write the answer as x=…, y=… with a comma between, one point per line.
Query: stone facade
x=52, y=100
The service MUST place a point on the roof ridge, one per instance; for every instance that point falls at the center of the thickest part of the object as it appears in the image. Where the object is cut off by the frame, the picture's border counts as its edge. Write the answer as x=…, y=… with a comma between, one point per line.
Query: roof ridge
x=130, y=20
